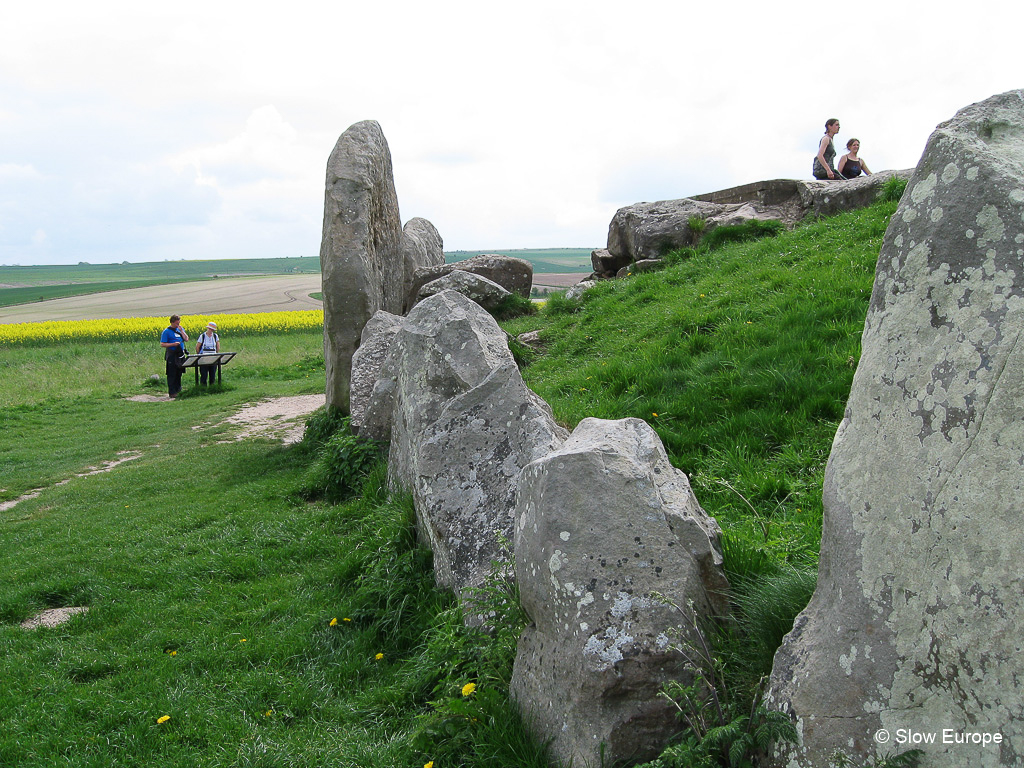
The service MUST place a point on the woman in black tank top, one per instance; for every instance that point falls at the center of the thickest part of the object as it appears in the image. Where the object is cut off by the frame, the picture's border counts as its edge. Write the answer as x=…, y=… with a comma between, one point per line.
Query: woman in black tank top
x=850, y=165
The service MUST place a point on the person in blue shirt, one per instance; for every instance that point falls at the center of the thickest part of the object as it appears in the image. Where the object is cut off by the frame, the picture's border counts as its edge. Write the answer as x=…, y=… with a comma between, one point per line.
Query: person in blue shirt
x=173, y=341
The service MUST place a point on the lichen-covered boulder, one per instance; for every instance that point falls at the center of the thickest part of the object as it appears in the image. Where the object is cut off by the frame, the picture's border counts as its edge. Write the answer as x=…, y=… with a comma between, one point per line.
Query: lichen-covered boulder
x=422, y=247
x=367, y=365
x=487, y=293
x=915, y=625
x=650, y=230
x=463, y=425
x=360, y=256
x=613, y=557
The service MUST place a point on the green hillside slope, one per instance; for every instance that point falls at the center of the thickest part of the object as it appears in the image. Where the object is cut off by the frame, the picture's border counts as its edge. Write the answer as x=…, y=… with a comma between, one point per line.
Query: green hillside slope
x=742, y=359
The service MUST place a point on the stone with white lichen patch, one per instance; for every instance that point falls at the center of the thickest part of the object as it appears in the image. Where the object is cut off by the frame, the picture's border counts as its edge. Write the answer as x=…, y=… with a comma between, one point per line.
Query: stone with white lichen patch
x=603, y=523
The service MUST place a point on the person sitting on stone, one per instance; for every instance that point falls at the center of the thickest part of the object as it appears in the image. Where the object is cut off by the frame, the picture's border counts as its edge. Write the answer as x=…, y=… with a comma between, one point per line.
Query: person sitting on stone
x=822, y=167
x=850, y=165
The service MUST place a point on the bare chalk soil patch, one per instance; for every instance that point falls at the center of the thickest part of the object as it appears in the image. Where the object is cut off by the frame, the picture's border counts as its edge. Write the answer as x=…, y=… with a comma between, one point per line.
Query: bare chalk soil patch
x=52, y=617
x=282, y=418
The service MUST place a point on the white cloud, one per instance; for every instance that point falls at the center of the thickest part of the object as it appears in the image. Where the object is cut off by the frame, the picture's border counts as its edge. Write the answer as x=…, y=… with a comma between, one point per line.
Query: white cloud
x=202, y=130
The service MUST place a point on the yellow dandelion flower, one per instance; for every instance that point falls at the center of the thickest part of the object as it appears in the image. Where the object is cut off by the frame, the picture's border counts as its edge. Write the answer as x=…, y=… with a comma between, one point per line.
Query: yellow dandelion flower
x=429, y=764
x=162, y=720
x=379, y=656
x=654, y=415
x=346, y=619
x=334, y=622
x=172, y=653
x=243, y=640
x=268, y=713
x=468, y=689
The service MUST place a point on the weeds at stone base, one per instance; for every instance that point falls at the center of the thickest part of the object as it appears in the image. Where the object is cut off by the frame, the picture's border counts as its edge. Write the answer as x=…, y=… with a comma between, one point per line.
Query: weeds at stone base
x=342, y=459
x=720, y=731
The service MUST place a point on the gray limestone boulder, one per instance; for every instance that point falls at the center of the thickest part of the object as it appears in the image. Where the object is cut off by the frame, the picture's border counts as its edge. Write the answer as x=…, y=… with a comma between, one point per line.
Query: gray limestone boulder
x=915, y=624
x=827, y=198
x=650, y=230
x=612, y=550
x=360, y=253
x=605, y=264
x=576, y=291
x=422, y=247
x=512, y=274
x=367, y=365
x=463, y=425
x=487, y=293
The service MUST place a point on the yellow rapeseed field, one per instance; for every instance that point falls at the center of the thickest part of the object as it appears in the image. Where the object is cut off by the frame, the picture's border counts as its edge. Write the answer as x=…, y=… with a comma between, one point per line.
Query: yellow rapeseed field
x=148, y=328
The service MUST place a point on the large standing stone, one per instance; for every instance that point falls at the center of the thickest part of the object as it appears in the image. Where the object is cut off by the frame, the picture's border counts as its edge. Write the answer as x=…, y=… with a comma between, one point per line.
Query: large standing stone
x=463, y=425
x=916, y=620
x=360, y=255
x=422, y=248
x=603, y=523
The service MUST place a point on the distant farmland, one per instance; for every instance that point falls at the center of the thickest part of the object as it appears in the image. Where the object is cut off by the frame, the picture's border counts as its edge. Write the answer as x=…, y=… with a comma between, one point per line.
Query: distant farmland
x=544, y=260
x=222, y=296
x=97, y=291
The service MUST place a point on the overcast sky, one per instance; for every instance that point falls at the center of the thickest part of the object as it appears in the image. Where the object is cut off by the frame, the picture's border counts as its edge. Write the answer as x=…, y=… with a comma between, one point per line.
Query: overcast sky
x=146, y=131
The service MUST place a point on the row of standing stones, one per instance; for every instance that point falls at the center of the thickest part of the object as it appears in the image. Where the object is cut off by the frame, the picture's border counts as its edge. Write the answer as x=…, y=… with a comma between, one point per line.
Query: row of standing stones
x=911, y=638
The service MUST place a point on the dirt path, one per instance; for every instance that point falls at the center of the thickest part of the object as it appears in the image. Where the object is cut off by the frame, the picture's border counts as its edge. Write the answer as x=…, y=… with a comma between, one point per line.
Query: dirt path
x=282, y=418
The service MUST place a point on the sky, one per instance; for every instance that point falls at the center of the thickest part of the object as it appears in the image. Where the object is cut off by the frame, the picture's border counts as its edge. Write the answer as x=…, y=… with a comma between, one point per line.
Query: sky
x=201, y=130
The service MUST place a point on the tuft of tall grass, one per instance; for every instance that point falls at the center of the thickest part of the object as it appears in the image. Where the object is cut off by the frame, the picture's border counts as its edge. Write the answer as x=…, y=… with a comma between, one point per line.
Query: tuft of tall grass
x=892, y=189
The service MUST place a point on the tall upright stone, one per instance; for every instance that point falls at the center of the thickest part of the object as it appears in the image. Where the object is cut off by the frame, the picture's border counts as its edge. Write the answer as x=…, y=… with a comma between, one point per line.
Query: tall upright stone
x=360, y=254
x=915, y=625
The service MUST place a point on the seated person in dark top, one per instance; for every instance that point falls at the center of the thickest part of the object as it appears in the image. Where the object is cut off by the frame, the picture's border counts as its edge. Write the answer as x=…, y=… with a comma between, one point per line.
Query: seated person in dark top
x=850, y=165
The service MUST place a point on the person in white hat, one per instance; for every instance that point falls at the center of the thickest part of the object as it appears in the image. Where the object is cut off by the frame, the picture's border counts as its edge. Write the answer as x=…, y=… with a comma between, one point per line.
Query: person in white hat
x=208, y=342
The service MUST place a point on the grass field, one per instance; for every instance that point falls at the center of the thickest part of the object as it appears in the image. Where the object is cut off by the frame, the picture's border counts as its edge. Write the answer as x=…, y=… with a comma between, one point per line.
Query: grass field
x=235, y=618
